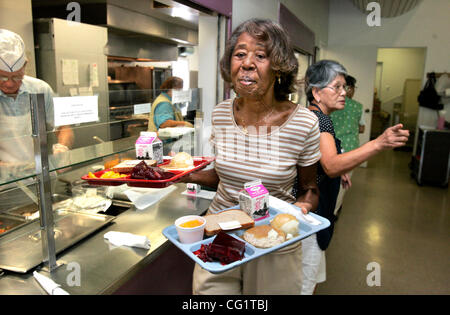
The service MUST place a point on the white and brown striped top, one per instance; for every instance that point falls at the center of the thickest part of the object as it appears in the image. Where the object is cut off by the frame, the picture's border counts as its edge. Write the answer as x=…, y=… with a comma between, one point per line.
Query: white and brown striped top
x=271, y=157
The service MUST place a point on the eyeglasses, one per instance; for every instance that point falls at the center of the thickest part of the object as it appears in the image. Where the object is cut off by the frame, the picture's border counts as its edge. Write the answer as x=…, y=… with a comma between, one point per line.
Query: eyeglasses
x=338, y=89
x=14, y=78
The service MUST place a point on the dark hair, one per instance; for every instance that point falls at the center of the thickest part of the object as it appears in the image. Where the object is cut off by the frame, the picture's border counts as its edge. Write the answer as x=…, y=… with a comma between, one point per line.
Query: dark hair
x=172, y=82
x=279, y=49
x=321, y=74
x=350, y=81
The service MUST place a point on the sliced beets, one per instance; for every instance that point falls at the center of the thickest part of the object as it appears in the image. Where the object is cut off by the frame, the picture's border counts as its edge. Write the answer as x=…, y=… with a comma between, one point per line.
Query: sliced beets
x=224, y=248
x=143, y=171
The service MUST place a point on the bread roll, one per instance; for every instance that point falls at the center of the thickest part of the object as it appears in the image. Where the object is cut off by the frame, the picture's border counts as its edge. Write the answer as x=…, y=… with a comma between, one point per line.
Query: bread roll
x=286, y=223
x=181, y=160
x=264, y=236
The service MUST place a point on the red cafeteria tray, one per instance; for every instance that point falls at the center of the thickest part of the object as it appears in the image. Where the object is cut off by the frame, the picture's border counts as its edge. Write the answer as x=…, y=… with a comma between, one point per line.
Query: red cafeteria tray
x=199, y=163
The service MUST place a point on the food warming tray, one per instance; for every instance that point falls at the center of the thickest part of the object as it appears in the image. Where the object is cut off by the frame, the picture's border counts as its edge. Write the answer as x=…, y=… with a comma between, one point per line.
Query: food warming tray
x=199, y=163
x=21, y=248
x=251, y=252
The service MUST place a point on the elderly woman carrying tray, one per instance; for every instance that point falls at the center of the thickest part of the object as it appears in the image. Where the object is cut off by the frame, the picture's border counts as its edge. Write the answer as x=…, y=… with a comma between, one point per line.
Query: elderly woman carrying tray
x=260, y=134
x=326, y=90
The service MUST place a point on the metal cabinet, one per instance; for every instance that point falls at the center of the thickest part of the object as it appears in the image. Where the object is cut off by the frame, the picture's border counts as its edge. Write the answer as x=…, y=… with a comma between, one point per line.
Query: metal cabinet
x=431, y=164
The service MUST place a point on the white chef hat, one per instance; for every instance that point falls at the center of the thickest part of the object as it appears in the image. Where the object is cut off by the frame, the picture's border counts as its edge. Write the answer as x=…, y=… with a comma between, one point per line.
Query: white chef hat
x=12, y=51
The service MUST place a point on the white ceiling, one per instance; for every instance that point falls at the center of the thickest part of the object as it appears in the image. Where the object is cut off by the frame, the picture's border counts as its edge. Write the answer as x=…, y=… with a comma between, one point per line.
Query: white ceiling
x=389, y=8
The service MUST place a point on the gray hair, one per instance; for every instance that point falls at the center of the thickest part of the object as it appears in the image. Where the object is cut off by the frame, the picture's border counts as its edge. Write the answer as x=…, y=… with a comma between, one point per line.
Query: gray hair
x=321, y=74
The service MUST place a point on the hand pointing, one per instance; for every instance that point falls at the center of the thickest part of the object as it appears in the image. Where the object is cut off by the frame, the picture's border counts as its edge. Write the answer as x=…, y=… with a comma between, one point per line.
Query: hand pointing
x=393, y=137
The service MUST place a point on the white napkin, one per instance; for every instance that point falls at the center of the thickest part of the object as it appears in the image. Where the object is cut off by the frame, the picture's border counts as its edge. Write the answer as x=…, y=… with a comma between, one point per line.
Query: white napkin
x=174, y=132
x=286, y=207
x=145, y=197
x=49, y=285
x=206, y=194
x=127, y=239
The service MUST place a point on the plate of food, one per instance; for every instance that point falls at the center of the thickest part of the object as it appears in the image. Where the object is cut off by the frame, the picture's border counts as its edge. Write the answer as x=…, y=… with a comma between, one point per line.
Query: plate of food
x=232, y=237
x=146, y=173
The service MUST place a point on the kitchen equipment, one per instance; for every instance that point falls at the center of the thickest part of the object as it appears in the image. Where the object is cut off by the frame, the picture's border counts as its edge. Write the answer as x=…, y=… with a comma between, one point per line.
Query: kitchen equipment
x=89, y=198
x=21, y=249
x=8, y=223
x=431, y=163
x=59, y=44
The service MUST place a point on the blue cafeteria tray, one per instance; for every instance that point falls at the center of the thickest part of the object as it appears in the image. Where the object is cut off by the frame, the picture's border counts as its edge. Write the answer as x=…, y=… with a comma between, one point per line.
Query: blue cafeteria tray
x=251, y=252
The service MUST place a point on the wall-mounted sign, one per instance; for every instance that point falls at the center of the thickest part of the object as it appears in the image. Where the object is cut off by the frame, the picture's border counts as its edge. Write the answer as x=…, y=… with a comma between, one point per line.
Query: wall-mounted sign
x=179, y=96
x=69, y=72
x=75, y=110
x=142, y=108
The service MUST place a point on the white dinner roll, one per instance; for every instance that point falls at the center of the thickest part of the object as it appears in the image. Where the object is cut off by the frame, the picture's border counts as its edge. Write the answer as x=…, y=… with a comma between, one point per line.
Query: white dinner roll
x=182, y=160
x=286, y=223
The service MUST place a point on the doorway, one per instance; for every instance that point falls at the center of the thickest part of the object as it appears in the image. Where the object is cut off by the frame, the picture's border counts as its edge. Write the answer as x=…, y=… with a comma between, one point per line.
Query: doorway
x=304, y=60
x=398, y=82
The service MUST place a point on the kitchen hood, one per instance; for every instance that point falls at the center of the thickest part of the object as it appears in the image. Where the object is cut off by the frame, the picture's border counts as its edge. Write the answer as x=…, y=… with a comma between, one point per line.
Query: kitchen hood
x=124, y=19
x=142, y=29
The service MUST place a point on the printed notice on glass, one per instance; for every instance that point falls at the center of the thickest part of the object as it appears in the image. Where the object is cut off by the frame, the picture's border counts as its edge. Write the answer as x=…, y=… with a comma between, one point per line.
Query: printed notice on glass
x=93, y=75
x=69, y=70
x=75, y=110
x=142, y=108
x=181, y=96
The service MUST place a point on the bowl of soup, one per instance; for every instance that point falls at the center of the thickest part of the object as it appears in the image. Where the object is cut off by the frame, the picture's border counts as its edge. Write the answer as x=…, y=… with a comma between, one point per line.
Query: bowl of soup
x=190, y=228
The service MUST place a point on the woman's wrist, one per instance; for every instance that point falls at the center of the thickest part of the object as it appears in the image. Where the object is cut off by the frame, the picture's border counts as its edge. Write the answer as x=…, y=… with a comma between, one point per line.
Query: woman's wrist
x=377, y=145
x=186, y=179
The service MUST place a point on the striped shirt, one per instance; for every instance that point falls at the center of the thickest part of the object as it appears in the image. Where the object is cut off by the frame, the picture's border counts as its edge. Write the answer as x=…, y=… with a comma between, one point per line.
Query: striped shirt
x=272, y=157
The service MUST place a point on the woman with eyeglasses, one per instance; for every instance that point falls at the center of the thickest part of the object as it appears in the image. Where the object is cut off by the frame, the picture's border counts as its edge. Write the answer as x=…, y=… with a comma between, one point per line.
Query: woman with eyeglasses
x=325, y=88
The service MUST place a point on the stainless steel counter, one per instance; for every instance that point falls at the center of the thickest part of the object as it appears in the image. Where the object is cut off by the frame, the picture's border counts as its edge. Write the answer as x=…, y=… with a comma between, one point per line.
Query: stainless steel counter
x=103, y=268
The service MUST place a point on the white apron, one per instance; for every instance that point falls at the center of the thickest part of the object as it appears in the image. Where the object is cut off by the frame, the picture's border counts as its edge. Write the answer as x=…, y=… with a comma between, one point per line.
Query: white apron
x=16, y=158
x=16, y=144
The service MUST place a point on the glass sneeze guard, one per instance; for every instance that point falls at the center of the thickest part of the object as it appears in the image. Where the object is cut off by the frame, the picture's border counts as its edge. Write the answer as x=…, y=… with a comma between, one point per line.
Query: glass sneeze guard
x=110, y=137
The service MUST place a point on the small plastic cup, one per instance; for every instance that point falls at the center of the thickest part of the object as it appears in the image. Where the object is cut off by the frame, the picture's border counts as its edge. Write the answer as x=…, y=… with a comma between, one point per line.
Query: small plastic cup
x=190, y=234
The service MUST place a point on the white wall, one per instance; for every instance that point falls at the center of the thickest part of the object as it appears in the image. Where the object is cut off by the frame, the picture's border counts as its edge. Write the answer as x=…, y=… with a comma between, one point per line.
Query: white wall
x=313, y=14
x=399, y=64
x=16, y=16
x=207, y=73
x=247, y=9
x=351, y=40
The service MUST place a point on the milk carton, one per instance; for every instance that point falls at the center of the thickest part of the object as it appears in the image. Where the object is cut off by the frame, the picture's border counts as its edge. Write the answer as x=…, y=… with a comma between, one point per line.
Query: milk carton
x=192, y=189
x=149, y=147
x=254, y=199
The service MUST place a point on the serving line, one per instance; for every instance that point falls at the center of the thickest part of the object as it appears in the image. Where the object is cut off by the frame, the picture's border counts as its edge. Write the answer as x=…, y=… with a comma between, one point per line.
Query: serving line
x=103, y=268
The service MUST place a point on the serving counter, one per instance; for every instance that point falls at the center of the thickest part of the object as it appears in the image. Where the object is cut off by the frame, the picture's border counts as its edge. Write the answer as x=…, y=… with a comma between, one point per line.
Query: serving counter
x=94, y=266
x=36, y=168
